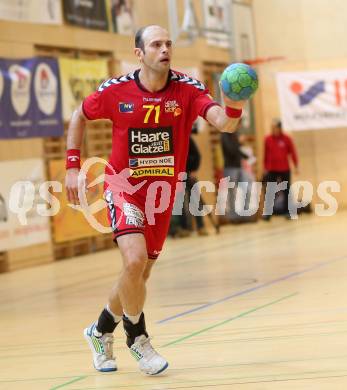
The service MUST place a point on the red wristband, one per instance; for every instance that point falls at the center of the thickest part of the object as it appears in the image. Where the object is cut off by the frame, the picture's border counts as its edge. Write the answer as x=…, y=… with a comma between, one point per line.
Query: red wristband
x=73, y=158
x=233, y=112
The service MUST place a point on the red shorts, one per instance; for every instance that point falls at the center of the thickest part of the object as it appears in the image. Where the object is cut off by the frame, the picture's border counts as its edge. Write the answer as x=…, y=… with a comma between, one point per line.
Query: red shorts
x=129, y=217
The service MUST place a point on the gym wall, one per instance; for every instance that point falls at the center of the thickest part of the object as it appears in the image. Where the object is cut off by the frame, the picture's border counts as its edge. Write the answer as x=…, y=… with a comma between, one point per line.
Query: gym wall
x=309, y=34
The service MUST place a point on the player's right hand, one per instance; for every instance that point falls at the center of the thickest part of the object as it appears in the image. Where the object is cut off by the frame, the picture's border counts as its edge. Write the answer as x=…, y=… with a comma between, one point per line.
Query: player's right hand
x=71, y=185
x=238, y=104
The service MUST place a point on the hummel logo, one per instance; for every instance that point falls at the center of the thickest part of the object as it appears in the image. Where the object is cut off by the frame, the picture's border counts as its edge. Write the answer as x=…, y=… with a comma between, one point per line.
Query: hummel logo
x=188, y=80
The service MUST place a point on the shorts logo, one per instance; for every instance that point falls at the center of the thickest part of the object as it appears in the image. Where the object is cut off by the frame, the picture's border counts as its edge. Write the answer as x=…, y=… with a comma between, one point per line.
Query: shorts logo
x=158, y=171
x=150, y=141
x=126, y=107
x=151, y=162
x=134, y=216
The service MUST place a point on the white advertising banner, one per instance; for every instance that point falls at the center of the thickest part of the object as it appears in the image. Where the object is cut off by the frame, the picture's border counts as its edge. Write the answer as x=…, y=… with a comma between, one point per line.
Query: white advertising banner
x=33, y=11
x=313, y=100
x=20, y=223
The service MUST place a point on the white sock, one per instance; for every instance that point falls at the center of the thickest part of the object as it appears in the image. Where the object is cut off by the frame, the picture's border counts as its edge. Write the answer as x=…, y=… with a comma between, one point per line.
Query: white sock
x=115, y=317
x=96, y=333
x=133, y=319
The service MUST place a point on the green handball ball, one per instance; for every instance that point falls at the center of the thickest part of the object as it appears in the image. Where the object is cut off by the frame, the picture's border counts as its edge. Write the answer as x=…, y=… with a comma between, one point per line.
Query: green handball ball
x=239, y=81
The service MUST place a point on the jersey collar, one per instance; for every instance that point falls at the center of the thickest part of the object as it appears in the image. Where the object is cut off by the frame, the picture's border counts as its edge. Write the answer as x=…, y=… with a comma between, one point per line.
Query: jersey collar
x=142, y=87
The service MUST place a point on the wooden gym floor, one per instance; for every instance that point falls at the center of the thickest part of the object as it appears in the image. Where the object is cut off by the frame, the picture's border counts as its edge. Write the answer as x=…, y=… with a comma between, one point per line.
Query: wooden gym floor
x=261, y=306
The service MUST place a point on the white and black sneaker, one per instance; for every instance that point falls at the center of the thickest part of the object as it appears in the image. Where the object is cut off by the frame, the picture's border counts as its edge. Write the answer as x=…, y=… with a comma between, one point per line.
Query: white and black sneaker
x=101, y=346
x=150, y=362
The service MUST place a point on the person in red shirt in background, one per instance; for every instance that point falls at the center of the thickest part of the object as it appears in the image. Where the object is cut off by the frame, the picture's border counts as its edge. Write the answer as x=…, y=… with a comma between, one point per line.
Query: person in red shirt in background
x=279, y=149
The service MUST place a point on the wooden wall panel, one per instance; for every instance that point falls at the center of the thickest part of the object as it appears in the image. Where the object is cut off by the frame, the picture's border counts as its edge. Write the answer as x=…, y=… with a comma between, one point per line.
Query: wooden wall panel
x=21, y=149
x=30, y=256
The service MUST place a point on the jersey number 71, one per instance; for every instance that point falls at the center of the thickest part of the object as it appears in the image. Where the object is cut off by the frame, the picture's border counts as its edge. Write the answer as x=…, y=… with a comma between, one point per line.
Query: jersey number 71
x=150, y=108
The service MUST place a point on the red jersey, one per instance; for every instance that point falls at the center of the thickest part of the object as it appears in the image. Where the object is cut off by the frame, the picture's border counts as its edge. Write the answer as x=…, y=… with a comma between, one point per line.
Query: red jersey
x=277, y=151
x=150, y=129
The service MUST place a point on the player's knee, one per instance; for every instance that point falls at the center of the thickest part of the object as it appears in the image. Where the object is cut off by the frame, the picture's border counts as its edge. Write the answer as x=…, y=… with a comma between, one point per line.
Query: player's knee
x=146, y=274
x=135, y=265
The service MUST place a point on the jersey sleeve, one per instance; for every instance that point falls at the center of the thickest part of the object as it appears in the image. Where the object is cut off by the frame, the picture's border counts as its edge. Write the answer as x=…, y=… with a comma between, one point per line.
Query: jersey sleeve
x=202, y=102
x=98, y=105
